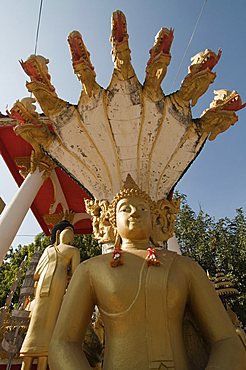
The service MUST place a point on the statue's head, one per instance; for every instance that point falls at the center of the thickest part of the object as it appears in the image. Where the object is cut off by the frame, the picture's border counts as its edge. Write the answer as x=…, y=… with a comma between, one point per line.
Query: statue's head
x=132, y=215
x=63, y=231
x=131, y=212
x=133, y=218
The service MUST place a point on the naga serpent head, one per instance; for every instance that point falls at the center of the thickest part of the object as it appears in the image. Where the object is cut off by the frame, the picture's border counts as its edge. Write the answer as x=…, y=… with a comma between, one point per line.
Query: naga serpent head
x=80, y=55
x=206, y=59
x=221, y=114
x=36, y=68
x=24, y=111
x=227, y=100
x=162, y=45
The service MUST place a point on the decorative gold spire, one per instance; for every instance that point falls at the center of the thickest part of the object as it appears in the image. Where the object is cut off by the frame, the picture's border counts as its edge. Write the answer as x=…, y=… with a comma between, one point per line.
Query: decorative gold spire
x=226, y=290
x=224, y=286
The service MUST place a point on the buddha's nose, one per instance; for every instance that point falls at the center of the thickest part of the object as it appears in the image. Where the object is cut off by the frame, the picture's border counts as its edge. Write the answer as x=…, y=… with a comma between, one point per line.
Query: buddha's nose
x=134, y=212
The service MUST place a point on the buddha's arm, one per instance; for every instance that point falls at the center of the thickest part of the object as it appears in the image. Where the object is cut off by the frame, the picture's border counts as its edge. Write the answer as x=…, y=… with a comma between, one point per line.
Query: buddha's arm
x=43, y=261
x=227, y=353
x=65, y=350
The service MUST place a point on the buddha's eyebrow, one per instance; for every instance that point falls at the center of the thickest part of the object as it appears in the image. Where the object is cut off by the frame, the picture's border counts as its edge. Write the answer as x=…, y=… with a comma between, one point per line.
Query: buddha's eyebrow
x=143, y=204
x=123, y=204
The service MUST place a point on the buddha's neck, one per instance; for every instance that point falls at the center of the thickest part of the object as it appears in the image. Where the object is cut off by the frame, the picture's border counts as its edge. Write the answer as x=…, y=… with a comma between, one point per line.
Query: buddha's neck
x=65, y=241
x=135, y=244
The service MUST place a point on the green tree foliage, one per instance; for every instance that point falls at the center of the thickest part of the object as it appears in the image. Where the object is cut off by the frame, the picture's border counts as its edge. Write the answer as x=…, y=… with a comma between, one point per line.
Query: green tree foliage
x=87, y=245
x=9, y=269
x=216, y=245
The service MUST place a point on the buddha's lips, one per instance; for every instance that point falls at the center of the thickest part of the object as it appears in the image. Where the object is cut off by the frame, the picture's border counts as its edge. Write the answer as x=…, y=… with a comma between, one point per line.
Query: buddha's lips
x=134, y=222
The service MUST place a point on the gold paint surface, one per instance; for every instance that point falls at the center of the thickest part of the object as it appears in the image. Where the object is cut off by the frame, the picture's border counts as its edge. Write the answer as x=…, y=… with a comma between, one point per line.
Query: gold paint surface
x=52, y=278
x=144, y=308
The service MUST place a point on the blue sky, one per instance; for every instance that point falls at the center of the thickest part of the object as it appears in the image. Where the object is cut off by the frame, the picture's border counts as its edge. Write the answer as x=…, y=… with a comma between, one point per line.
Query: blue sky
x=217, y=180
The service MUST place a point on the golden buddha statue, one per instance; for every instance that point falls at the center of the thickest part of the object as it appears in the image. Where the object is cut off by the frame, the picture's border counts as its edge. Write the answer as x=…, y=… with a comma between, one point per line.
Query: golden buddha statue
x=153, y=302
x=143, y=294
x=54, y=270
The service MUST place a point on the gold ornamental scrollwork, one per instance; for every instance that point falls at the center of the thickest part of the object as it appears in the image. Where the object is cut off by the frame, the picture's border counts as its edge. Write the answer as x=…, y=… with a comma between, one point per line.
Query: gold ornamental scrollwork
x=36, y=133
x=43, y=163
x=24, y=165
x=55, y=218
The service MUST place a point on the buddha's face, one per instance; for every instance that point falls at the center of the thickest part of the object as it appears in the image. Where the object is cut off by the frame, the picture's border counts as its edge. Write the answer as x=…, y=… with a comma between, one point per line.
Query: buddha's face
x=133, y=219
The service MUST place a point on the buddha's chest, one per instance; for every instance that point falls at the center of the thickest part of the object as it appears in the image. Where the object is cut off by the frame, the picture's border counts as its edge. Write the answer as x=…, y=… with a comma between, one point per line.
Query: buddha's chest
x=137, y=286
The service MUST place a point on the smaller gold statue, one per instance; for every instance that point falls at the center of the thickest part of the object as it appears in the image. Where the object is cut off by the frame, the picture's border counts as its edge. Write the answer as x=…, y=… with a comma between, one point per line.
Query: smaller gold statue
x=149, y=299
x=53, y=272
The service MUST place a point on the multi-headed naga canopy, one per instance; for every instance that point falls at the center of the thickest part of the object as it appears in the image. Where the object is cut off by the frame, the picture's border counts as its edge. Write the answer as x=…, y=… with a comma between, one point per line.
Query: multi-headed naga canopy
x=127, y=128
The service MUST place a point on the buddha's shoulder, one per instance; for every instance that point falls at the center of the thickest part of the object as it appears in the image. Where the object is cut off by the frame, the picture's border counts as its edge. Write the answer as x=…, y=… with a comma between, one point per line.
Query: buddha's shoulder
x=185, y=263
x=67, y=247
x=96, y=262
x=192, y=268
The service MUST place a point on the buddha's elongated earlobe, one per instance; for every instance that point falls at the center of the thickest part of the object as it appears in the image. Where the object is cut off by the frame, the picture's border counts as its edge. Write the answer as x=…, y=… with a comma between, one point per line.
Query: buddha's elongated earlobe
x=153, y=236
x=117, y=242
x=117, y=252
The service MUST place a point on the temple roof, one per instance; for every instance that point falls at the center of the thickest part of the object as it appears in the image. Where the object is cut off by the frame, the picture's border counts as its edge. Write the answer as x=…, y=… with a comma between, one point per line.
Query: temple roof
x=16, y=150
